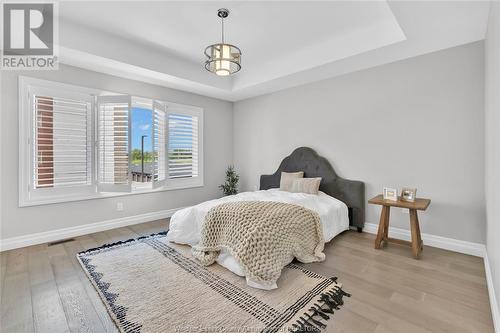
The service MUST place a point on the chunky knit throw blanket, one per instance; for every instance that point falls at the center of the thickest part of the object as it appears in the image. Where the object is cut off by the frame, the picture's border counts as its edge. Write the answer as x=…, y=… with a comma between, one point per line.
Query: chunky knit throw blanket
x=262, y=236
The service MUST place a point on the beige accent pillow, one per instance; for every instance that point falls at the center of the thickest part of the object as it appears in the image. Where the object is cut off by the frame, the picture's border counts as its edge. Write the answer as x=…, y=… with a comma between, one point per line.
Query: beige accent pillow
x=306, y=185
x=287, y=178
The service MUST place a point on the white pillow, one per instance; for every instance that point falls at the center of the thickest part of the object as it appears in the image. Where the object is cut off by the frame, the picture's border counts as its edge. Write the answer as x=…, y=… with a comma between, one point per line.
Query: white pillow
x=306, y=185
x=287, y=178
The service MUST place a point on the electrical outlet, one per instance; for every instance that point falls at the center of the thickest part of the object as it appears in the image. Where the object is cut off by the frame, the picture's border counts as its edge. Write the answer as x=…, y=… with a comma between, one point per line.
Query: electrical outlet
x=119, y=206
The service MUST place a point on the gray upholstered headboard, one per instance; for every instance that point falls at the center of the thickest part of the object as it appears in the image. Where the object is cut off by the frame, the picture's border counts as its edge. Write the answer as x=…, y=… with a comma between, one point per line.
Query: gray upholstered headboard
x=351, y=192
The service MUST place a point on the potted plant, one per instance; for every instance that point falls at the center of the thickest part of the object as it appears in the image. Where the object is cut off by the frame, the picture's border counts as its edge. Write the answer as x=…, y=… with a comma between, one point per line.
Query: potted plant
x=230, y=187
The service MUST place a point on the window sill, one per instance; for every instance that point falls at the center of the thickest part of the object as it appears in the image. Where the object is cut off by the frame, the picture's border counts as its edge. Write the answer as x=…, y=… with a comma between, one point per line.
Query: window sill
x=24, y=202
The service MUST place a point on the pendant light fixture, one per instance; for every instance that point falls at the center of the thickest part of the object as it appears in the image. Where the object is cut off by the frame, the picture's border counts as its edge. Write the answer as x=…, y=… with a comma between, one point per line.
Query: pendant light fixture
x=223, y=59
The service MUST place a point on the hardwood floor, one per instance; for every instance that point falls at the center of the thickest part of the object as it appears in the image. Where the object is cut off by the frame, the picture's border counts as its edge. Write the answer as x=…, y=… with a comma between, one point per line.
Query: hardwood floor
x=43, y=288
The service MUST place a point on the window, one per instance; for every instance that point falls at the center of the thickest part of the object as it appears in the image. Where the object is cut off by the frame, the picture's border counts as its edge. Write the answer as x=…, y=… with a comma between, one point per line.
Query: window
x=80, y=143
x=142, y=144
x=184, y=151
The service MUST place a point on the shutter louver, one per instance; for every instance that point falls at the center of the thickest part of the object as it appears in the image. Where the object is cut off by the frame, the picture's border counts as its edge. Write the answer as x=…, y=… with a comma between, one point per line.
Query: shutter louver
x=114, y=143
x=182, y=146
x=62, y=142
x=159, y=144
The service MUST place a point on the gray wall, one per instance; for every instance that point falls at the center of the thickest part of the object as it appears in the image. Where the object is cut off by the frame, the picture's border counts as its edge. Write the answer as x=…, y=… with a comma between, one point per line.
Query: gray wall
x=22, y=221
x=492, y=147
x=417, y=122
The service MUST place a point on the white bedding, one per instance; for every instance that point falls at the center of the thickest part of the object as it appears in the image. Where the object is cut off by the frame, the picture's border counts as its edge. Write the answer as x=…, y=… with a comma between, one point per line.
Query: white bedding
x=185, y=224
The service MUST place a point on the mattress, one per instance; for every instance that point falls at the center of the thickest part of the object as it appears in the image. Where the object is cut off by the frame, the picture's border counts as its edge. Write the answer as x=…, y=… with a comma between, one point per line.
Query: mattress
x=185, y=224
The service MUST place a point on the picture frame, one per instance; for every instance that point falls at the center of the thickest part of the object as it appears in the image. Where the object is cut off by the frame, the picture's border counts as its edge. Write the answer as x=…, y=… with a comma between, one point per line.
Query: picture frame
x=408, y=194
x=390, y=194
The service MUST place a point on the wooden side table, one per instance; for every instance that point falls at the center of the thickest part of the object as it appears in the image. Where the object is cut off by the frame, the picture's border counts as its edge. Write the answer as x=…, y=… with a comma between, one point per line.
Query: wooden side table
x=383, y=227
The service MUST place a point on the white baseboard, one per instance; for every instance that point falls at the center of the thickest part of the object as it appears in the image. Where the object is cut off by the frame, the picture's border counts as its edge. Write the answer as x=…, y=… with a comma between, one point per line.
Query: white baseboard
x=55, y=235
x=475, y=249
x=495, y=312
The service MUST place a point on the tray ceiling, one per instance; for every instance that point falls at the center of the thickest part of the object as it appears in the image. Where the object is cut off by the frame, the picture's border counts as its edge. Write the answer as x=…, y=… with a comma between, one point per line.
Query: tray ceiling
x=283, y=43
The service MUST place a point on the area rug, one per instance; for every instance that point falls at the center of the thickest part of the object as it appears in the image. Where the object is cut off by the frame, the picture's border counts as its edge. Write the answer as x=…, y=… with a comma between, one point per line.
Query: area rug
x=151, y=285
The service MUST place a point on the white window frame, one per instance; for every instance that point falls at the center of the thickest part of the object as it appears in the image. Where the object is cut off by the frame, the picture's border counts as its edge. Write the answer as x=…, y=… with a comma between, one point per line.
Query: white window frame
x=27, y=196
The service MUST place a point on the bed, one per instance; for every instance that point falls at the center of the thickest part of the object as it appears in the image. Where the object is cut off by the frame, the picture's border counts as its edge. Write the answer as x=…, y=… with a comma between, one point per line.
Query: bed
x=340, y=204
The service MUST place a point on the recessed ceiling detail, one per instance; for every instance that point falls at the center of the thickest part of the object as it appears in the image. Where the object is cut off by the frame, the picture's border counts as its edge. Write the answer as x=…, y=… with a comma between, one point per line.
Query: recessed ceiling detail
x=283, y=47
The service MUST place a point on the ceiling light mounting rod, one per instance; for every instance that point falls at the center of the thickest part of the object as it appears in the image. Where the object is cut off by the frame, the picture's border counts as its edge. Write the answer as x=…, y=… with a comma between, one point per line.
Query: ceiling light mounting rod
x=223, y=13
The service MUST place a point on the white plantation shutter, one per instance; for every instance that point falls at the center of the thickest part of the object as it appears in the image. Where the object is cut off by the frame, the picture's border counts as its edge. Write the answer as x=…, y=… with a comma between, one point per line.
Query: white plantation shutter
x=159, y=134
x=183, y=148
x=114, y=143
x=73, y=145
x=62, y=138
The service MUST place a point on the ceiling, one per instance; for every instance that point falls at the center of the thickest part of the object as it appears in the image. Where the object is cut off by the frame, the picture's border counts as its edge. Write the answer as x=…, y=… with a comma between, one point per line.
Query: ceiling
x=284, y=43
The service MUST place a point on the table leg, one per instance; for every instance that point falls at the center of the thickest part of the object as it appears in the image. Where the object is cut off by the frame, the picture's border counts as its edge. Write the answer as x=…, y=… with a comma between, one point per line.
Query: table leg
x=383, y=227
x=386, y=225
x=419, y=234
x=416, y=239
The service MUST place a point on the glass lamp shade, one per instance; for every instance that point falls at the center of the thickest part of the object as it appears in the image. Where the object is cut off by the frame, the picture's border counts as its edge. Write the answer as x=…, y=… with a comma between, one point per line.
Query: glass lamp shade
x=223, y=59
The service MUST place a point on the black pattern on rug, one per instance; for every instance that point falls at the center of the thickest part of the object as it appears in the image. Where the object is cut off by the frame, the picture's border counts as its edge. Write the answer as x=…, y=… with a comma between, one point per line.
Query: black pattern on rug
x=119, y=311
